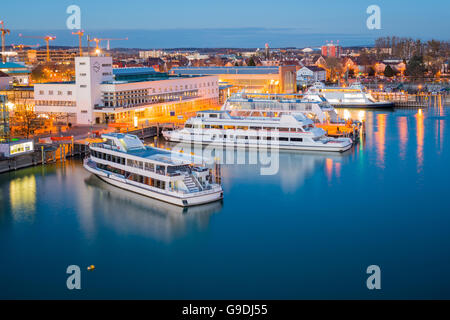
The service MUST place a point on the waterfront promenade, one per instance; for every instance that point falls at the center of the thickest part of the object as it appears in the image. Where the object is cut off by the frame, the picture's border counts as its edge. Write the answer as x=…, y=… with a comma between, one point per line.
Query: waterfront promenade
x=60, y=151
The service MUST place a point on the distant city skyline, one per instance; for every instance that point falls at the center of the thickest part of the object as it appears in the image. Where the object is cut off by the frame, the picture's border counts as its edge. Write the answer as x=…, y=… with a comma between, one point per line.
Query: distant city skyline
x=201, y=23
x=200, y=38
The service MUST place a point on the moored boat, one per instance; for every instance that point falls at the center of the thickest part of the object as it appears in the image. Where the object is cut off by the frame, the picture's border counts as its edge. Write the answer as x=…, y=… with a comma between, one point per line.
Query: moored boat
x=355, y=96
x=289, y=131
x=314, y=106
x=124, y=161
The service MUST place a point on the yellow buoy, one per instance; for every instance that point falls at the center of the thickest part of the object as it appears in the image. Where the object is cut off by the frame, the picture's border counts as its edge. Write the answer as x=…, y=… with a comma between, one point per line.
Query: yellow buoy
x=91, y=267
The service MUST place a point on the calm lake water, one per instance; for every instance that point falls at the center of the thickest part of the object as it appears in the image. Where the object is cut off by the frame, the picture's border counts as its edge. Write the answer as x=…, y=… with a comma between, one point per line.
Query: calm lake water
x=309, y=231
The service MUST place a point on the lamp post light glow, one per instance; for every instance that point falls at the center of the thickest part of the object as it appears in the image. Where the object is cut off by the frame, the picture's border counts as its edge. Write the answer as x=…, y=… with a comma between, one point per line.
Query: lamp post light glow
x=11, y=106
x=346, y=114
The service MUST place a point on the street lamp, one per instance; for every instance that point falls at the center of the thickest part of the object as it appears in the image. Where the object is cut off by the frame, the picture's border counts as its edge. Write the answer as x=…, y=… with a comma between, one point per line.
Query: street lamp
x=10, y=106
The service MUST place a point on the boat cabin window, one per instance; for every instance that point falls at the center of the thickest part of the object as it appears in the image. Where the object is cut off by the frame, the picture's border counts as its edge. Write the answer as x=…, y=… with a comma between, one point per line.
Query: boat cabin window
x=188, y=125
x=216, y=127
x=149, y=167
x=296, y=139
x=255, y=128
x=283, y=139
x=160, y=169
x=242, y=128
x=146, y=180
x=177, y=170
x=213, y=115
x=206, y=126
x=230, y=127
x=283, y=129
x=135, y=164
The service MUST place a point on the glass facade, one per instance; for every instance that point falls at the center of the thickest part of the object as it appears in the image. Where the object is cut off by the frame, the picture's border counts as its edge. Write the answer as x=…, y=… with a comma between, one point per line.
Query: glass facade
x=4, y=120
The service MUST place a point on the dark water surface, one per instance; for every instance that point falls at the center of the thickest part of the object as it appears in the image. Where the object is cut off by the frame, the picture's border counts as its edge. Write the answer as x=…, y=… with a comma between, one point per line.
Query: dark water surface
x=309, y=231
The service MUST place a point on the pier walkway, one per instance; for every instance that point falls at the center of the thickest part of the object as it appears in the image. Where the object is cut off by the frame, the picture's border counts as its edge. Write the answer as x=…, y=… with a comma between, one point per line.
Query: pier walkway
x=405, y=100
x=75, y=144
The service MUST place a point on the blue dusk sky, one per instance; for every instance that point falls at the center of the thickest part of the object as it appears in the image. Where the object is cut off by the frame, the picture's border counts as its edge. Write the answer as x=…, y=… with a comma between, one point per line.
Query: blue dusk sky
x=229, y=23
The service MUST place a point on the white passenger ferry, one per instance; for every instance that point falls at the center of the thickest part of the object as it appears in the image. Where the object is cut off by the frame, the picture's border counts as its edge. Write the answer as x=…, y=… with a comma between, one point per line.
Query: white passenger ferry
x=314, y=106
x=353, y=96
x=124, y=161
x=289, y=131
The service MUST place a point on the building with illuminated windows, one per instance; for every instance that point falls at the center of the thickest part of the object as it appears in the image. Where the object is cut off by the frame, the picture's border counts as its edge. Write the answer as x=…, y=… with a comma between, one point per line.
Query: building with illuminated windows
x=102, y=94
x=32, y=56
x=19, y=97
x=259, y=79
x=331, y=50
x=19, y=73
x=4, y=120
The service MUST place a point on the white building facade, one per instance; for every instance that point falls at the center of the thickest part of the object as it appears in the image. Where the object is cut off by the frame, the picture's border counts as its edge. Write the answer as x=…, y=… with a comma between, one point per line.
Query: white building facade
x=311, y=74
x=102, y=94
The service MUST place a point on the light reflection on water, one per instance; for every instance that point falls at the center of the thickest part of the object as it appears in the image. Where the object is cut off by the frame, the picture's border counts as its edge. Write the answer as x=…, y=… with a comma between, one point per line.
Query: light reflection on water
x=22, y=197
x=420, y=139
x=280, y=236
x=380, y=138
x=132, y=214
x=403, y=135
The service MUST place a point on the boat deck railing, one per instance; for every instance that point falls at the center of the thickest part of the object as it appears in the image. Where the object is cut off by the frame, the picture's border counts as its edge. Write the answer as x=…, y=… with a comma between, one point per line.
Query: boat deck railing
x=102, y=145
x=206, y=189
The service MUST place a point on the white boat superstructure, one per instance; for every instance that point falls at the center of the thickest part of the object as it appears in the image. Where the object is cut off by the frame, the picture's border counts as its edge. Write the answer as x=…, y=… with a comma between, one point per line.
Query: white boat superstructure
x=352, y=96
x=314, y=106
x=289, y=131
x=124, y=161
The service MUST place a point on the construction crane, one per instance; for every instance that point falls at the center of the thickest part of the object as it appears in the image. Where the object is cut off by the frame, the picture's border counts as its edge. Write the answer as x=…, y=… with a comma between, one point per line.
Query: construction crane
x=47, y=39
x=4, y=32
x=97, y=42
x=23, y=46
x=80, y=34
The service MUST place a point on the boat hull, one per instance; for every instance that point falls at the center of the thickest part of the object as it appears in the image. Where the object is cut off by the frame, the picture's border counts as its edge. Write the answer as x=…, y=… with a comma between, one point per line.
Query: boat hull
x=187, y=201
x=377, y=105
x=330, y=147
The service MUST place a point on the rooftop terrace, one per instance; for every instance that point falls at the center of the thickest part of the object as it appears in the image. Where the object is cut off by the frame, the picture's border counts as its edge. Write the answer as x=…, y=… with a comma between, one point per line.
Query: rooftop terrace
x=130, y=75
